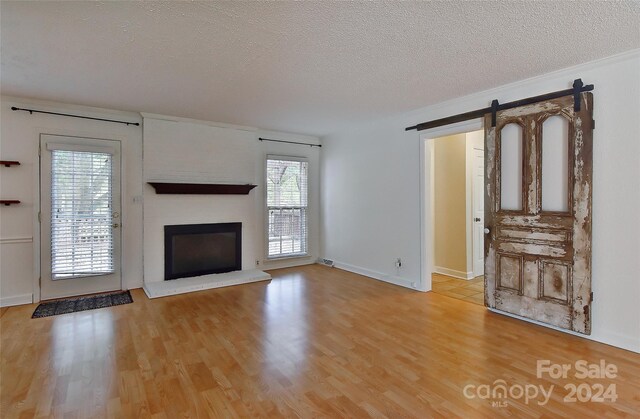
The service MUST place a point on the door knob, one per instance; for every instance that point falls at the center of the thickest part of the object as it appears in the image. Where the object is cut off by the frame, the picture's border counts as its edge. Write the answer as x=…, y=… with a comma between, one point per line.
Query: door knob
x=487, y=231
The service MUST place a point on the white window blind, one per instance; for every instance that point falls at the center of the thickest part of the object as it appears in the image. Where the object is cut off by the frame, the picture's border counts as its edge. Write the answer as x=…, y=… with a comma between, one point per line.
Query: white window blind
x=287, y=206
x=81, y=214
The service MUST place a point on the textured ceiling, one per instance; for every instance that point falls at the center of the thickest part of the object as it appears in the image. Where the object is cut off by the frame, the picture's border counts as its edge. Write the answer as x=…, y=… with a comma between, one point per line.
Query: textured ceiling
x=307, y=67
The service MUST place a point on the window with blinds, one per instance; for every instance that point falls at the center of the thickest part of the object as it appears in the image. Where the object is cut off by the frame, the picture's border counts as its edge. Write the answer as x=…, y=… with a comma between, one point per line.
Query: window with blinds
x=81, y=214
x=287, y=206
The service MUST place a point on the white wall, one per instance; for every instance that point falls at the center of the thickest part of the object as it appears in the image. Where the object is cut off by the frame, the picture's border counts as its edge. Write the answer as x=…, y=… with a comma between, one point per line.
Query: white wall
x=177, y=149
x=371, y=190
x=370, y=211
x=19, y=229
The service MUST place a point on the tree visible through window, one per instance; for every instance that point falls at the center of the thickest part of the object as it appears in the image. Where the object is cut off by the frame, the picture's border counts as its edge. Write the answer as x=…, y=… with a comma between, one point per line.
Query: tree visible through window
x=287, y=206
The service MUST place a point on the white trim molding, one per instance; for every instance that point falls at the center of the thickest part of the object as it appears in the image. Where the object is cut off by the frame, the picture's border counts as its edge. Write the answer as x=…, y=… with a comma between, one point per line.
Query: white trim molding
x=16, y=300
x=16, y=240
x=147, y=115
x=392, y=279
x=452, y=272
x=615, y=339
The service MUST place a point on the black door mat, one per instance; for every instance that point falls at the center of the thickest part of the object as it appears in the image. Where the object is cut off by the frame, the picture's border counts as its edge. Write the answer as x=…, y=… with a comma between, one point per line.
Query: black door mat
x=71, y=305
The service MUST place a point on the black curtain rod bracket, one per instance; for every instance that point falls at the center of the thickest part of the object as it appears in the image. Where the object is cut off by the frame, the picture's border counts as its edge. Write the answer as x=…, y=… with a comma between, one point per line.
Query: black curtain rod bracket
x=578, y=87
x=289, y=142
x=31, y=111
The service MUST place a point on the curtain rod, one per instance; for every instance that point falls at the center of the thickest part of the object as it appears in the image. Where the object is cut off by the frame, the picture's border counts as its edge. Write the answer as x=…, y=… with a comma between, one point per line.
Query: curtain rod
x=578, y=88
x=31, y=111
x=289, y=142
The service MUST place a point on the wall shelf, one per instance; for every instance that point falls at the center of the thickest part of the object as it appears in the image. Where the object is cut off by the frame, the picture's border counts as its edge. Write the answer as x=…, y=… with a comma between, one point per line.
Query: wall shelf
x=9, y=163
x=8, y=202
x=163, y=188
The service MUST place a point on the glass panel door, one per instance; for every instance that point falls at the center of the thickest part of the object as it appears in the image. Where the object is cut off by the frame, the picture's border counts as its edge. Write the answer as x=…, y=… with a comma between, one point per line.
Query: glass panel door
x=80, y=202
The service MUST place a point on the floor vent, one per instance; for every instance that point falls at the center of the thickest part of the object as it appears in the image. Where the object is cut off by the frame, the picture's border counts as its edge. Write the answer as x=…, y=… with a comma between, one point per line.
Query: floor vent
x=327, y=262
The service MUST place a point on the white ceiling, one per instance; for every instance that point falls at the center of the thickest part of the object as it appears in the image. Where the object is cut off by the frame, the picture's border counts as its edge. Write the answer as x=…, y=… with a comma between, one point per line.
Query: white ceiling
x=306, y=67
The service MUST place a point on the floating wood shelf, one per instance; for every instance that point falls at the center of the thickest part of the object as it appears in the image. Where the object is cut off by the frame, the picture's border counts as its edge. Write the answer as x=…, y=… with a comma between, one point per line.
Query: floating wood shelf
x=9, y=163
x=8, y=202
x=201, y=188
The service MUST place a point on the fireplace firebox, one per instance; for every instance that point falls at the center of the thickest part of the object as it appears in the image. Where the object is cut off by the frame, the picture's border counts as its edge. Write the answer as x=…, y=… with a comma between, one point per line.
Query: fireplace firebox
x=201, y=249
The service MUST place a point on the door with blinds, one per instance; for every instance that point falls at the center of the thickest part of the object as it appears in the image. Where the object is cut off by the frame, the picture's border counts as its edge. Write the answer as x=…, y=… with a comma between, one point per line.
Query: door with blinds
x=79, y=216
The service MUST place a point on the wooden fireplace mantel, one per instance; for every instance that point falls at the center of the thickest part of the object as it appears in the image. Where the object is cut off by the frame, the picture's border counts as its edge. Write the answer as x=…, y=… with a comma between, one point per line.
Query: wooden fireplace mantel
x=179, y=188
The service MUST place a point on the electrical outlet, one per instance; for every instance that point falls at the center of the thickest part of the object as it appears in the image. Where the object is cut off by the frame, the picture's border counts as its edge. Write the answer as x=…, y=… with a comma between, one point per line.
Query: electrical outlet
x=257, y=262
x=398, y=263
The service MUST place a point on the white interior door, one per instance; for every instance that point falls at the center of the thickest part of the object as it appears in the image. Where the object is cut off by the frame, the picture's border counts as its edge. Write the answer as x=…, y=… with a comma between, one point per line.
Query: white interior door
x=478, y=211
x=79, y=215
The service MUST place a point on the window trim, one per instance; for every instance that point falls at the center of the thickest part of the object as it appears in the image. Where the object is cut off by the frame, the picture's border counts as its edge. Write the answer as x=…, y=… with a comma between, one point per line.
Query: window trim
x=265, y=206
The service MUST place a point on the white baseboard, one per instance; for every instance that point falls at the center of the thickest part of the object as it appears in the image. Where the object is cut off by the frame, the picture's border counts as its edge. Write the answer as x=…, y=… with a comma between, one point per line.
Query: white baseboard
x=617, y=340
x=269, y=264
x=613, y=339
x=16, y=300
x=205, y=282
x=453, y=273
x=392, y=279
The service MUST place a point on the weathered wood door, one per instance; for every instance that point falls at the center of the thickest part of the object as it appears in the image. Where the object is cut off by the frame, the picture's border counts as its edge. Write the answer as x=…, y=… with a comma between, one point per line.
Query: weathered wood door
x=538, y=212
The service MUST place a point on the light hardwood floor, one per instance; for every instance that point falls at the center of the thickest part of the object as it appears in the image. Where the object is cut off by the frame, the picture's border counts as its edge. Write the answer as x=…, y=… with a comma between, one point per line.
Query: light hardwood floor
x=467, y=290
x=314, y=342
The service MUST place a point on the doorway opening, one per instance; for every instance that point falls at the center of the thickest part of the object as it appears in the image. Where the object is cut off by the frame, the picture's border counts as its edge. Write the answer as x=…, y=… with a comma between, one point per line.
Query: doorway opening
x=458, y=198
x=453, y=213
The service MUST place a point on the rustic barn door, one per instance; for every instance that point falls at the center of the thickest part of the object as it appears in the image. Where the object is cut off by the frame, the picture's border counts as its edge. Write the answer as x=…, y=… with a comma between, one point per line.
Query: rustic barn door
x=538, y=212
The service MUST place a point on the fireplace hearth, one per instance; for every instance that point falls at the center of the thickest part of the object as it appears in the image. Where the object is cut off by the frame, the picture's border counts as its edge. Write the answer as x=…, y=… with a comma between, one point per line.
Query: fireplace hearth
x=201, y=249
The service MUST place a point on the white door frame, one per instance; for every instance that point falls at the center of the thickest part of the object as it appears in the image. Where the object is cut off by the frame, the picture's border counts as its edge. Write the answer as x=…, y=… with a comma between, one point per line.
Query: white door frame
x=37, y=295
x=427, y=244
x=475, y=237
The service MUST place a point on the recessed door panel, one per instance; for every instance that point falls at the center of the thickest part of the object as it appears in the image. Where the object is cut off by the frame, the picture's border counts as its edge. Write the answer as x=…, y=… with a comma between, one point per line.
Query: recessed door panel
x=510, y=272
x=555, y=281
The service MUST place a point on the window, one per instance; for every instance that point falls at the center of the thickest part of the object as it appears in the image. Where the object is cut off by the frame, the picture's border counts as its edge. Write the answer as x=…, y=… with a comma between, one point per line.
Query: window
x=286, y=206
x=81, y=214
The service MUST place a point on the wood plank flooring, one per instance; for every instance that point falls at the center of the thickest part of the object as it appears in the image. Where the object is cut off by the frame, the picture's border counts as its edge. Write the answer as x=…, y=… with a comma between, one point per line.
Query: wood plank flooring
x=313, y=342
x=466, y=290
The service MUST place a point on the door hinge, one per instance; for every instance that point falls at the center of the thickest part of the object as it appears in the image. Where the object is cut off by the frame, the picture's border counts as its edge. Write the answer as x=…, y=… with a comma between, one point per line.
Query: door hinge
x=593, y=124
x=39, y=217
x=39, y=150
x=591, y=297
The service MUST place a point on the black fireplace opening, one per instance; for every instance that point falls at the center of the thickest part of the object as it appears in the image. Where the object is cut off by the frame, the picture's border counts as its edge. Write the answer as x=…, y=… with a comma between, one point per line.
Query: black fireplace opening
x=201, y=249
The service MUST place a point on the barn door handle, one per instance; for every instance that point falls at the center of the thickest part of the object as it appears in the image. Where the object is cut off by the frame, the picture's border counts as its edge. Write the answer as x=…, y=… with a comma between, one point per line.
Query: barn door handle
x=487, y=231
